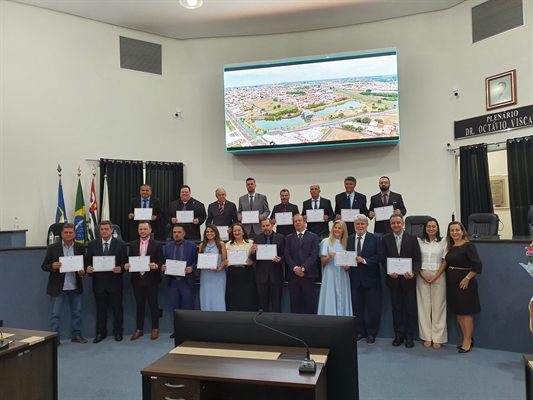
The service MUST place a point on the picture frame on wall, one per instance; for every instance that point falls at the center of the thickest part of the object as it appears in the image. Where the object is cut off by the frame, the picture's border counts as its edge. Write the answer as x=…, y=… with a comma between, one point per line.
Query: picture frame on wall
x=501, y=90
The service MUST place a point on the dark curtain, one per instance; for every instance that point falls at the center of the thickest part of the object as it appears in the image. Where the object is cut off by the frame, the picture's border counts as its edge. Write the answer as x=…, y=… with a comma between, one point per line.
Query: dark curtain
x=520, y=172
x=124, y=177
x=166, y=179
x=475, y=192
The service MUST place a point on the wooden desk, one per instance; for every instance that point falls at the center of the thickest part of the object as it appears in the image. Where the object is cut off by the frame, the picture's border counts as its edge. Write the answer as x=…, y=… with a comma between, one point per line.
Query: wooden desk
x=29, y=370
x=204, y=377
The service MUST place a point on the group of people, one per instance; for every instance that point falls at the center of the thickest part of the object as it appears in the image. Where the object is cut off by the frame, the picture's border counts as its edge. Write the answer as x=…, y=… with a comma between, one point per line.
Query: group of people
x=442, y=271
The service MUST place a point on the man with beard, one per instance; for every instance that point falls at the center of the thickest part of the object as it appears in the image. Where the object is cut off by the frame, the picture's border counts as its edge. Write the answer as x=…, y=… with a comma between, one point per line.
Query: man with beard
x=187, y=203
x=383, y=199
x=284, y=207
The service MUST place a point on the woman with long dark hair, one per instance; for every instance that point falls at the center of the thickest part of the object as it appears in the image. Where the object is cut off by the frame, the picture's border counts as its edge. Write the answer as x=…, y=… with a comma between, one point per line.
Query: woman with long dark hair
x=213, y=281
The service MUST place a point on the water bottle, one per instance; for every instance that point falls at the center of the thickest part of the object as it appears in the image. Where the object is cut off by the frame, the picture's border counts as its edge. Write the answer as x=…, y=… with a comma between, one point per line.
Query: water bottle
x=51, y=238
x=16, y=224
x=115, y=234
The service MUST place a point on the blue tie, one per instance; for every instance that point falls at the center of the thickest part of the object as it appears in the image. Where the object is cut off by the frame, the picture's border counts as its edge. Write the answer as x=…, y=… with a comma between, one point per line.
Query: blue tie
x=106, y=249
x=268, y=239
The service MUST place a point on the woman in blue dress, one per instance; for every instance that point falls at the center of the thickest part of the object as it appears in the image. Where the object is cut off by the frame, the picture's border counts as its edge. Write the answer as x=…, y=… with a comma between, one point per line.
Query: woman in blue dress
x=213, y=281
x=335, y=295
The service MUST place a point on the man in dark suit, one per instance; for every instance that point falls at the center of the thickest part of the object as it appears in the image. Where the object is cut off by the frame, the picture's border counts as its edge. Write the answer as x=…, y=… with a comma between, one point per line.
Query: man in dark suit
x=221, y=212
x=284, y=207
x=65, y=286
x=350, y=200
x=382, y=199
x=251, y=202
x=400, y=244
x=301, y=251
x=365, y=280
x=146, y=284
x=146, y=201
x=269, y=273
x=107, y=285
x=188, y=203
x=316, y=203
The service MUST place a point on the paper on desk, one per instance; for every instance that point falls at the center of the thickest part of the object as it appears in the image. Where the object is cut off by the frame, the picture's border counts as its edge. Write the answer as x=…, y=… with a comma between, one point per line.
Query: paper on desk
x=32, y=339
x=6, y=335
x=256, y=355
x=528, y=267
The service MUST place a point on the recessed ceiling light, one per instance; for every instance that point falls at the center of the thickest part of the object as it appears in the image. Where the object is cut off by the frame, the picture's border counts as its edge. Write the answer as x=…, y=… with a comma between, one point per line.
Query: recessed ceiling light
x=191, y=4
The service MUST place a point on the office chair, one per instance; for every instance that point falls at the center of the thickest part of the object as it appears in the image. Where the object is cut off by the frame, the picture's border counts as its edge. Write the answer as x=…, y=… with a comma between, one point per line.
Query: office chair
x=55, y=229
x=414, y=224
x=483, y=226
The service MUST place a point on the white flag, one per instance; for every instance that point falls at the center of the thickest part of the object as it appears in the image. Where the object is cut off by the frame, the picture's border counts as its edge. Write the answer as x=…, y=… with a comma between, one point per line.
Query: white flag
x=105, y=202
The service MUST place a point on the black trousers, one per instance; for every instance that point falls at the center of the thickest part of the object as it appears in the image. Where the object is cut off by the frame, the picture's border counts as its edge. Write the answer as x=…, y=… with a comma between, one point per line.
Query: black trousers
x=366, y=304
x=301, y=292
x=103, y=301
x=143, y=293
x=270, y=294
x=404, y=313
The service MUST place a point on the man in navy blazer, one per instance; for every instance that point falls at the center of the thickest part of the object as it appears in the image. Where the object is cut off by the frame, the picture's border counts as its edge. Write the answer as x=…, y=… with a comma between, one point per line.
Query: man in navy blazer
x=350, y=200
x=301, y=252
x=181, y=287
x=107, y=285
x=382, y=199
x=251, y=202
x=365, y=280
x=402, y=287
x=146, y=200
x=316, y=202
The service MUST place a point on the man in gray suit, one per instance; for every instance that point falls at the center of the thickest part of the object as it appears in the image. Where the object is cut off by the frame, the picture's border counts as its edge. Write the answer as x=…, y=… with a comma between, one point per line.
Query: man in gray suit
x=251, y=202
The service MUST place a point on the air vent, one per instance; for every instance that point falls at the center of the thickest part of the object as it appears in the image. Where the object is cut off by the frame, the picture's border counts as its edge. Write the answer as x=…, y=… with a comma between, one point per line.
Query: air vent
x=494, y=17
x=140, y=56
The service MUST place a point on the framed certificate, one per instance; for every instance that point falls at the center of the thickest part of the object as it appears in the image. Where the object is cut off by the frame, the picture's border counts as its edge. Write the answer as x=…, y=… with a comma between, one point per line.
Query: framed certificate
x=383, y=213
x=207, y=261
x=142, y=214
x=315, y=215
x=343, y=258
x=185, y=217
x=237, y=257
x=139, y=263
x=71, y=264
x=103, y=263
x=175, y=267
x=399, y=265
x=348, y=215
x=250, y=217
x=266, y=251
x=283, y=218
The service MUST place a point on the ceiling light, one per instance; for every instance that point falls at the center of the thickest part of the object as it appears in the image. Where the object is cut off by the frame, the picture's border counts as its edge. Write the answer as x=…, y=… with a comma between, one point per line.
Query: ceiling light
x=191, y=4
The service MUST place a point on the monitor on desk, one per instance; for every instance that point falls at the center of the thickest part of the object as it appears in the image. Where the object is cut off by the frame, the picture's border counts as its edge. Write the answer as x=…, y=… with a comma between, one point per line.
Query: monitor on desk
x=338, y=334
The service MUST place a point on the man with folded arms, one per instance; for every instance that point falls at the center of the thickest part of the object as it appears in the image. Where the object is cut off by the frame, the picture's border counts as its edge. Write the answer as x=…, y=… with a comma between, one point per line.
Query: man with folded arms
x=107, y=285
x=65, y=286
x=146, y=284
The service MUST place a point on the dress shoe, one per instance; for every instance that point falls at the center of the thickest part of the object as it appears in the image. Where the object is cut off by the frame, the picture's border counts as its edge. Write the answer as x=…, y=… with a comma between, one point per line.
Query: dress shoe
x=397, y=341
x=79, y=339
x=118, y=337
x=155, y=334
x=138, y=333
x=471, y=343
x=99, y=338
x=371, y=339
x=361, y=337
x=462, y=351
x=409, y=343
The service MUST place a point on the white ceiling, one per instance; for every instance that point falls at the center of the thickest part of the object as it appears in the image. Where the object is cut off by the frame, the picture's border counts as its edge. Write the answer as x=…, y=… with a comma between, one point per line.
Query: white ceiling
x=239, y=17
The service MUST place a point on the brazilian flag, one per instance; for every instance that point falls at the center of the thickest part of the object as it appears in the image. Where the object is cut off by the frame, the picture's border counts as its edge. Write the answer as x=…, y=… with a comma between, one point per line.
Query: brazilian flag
x=80, y=222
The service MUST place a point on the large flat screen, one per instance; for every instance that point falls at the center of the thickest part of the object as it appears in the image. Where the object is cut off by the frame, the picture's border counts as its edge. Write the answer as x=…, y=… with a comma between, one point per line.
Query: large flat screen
x=333, y=100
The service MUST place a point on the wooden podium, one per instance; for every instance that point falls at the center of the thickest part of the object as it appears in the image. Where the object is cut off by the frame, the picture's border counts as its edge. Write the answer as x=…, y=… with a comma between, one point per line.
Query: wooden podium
x=208, y=371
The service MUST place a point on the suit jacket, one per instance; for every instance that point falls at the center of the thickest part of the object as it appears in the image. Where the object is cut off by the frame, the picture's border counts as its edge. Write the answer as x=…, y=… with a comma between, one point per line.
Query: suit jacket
x=56, y=279
x=320, y=228
x=369, y=274
x=358, y=202
x=268, y=270
x=410, y=249
x=190, y=256
x=107, y=280
x=278, y=208
x=302, y=254
x=155, y=251
x=227, y=217
x=157, y=210
x=376, y=201
x=260, y=204
x=192, y=231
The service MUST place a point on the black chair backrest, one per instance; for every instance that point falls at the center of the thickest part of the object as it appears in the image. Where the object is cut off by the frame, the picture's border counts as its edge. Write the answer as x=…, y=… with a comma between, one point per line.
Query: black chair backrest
x=115, y=228
x=414, y=224
x=55, y=229
x=483, y=225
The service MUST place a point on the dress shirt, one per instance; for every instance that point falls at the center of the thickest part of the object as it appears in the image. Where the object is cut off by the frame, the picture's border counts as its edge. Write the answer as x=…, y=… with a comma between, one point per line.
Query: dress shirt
x=70, y=277
x=143, y=248
x=398, y=240
x=145, y=201
x=350, y=198
x=300, y=238
x=432, y=253
x=103, y=245
x=315, y=204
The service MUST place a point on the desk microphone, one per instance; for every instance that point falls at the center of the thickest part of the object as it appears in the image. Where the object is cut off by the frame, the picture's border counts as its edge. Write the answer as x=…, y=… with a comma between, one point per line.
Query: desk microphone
x=4, y=343
x=308, y=365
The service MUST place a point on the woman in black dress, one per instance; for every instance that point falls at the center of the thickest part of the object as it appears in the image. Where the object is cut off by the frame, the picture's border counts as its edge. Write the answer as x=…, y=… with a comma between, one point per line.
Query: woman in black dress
x=463, y=264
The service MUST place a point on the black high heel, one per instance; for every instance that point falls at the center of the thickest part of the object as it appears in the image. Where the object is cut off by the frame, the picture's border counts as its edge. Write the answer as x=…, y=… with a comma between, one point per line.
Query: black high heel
x=471, y=344
x=462, y=351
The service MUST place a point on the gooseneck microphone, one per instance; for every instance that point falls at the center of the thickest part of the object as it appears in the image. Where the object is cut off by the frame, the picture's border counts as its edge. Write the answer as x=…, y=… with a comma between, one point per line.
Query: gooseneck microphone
x=308, y=365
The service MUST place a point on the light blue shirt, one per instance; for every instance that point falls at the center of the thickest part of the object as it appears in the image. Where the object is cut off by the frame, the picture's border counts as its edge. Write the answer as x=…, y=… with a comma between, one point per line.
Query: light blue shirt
x=70, y=277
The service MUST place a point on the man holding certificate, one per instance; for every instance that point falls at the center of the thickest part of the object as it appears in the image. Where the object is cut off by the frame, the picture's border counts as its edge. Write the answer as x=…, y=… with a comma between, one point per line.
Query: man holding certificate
x=282, y=214
x=146, y=208
x=188, y=212
x=403, y=262
x=349, y=204
x=383, y=205
x=105, y=262
x=64, y=261
x=317, y=212
x=221, y=212
x=267, y=252
x=253, y=208
x=146, y=257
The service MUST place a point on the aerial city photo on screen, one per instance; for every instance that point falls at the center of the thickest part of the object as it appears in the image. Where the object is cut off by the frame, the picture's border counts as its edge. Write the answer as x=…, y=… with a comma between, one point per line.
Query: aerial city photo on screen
x=310, y=103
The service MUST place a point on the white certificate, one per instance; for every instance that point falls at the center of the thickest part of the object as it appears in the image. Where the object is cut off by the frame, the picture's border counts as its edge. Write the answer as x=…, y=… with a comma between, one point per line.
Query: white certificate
x=207, y=261
x=175, y=267
x=142, y=214
x=266, y=251
x=349, y=215
x=343, y=258
x=103, y=263
x=399, y=265
x=237, y=257
x=315, y=215
x=250, y=217
x=284, y=218
x=71, y=264
x=223, y=232
x=383, y=213
x=185, y=217
x=139, y=264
